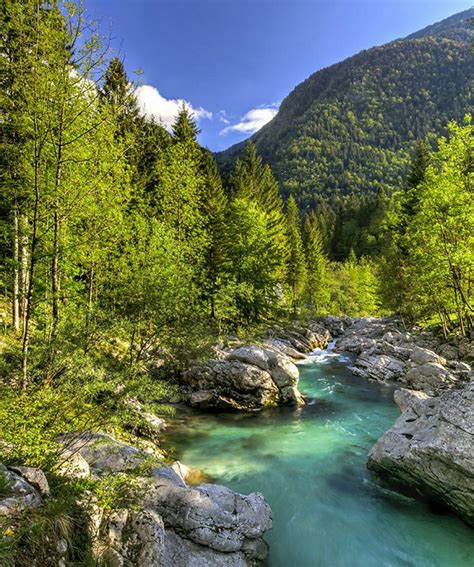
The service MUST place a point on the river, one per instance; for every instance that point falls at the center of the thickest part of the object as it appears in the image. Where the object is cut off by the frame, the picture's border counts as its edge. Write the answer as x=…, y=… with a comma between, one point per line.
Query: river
x=310, y=464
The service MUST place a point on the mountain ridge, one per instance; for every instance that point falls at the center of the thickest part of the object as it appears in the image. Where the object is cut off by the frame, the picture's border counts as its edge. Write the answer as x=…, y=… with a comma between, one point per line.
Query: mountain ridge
x=366, y=111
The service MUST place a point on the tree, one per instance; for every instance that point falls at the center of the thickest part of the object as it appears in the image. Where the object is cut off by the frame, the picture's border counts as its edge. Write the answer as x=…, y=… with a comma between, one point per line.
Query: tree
x=317, y=284
x=419, y=164
x=247, y=177
x=295, y=265
x=180, y=193
x=249, y=263
x=118, y=94
x=214, y=210
x=252, y=180
x=396, y=218
x=440, y=236
x=66, y=158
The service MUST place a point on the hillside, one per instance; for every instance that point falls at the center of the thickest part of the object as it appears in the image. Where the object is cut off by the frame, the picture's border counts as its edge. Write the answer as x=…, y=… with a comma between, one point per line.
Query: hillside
x=349, y=127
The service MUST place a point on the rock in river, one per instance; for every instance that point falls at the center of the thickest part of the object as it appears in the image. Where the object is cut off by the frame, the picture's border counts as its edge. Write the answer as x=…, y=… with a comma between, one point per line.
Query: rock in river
x=431, y=448
x=249, y=378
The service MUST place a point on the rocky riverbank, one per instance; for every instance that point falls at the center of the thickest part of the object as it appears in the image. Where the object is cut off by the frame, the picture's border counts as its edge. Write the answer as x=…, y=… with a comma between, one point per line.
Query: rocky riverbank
x=251, y=377
x=386, y=353
x=175, y=523
x=169, y=524
x=430, y=448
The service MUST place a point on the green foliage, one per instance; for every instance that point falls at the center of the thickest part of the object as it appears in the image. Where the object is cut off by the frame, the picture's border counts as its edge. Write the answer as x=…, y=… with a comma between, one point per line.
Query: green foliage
x=317, y=291
x=4, y=484
x=342, y=139
x=296, y=262
x=354, y=288
x=439, y=238
x=214, y=211
x=254, y=181
x=119, y=491
x=250, y=253
x=125, y=255
x=38, y=532
x=31, y=423
x=427, y=262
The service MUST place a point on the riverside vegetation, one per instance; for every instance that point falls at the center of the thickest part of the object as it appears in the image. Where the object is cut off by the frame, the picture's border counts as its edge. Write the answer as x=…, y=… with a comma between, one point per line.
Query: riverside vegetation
x=126, y=255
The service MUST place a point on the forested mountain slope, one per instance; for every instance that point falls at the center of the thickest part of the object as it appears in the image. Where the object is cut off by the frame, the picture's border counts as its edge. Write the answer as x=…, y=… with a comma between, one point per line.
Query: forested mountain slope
x=350, y=127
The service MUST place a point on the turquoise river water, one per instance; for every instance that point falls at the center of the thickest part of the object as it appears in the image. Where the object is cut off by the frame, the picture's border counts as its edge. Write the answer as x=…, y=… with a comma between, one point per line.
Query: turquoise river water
x=310, y=464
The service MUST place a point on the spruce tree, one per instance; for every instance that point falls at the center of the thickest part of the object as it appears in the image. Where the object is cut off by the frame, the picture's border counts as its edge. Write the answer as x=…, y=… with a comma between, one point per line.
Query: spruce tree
x=317, y=284
x=296, y=264
x=214, y=210
x=180, y=192
x=185, y=129
x=252, y=180
x=118, y=93
x=420, y=160
x=247, y=177
x=249, y=263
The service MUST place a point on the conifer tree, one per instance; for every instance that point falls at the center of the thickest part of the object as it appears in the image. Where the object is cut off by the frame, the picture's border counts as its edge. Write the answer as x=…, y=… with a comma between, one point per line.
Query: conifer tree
x=247, y=176
x=180, y=193
x=396, y=284
x=214, y=211
x=296, y=264
x=317, y=284
x=420, y=161
x=117, y=93
x=249, y=263
x=253, y=180
x=185, y=129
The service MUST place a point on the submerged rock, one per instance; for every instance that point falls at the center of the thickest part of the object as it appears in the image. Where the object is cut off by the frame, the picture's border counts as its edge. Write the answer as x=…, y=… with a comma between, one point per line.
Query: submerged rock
x=431, y=448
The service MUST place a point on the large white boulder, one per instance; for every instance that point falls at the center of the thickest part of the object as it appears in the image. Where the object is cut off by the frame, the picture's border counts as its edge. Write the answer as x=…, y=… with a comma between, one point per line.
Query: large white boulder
x=431, y=448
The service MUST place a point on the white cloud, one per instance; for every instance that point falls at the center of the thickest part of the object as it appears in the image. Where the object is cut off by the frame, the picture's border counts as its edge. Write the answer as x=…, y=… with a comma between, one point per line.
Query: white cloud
x=253, y=120
x=223, y=117
x=165, y=110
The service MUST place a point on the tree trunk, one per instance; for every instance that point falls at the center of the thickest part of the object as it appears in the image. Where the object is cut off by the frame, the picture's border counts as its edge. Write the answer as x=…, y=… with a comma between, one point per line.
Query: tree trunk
x=16, y=273
x=55, y=284
x=24, y=268
x=29, y=294
x=55, y=276
x=90, y=291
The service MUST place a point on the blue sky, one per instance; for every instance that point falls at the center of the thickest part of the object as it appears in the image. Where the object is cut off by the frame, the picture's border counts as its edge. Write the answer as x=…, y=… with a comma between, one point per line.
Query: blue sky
x=235, y=60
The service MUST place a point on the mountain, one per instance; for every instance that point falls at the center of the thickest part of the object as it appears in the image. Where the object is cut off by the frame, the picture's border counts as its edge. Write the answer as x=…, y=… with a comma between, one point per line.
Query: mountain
x=455, y=27
x=350, y=127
